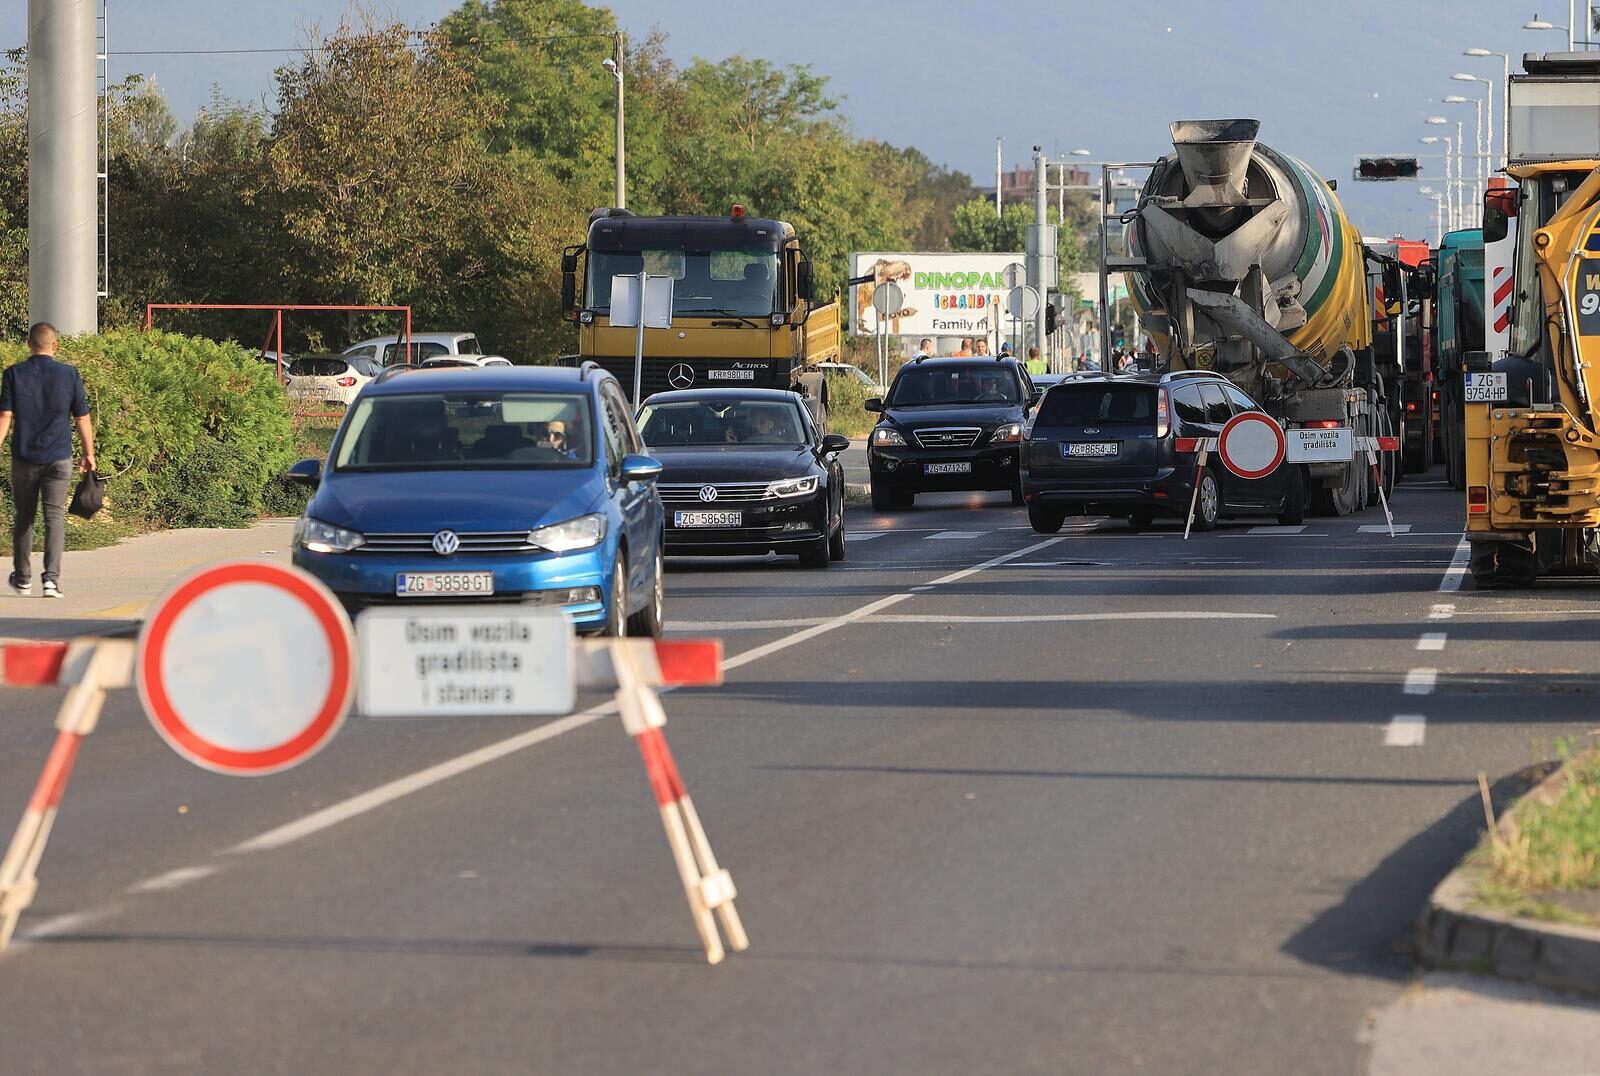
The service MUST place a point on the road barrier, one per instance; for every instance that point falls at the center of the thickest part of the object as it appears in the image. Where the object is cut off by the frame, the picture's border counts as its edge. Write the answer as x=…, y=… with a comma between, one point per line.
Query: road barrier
x=1204, y=446
x=441, y=656
x=91, y=666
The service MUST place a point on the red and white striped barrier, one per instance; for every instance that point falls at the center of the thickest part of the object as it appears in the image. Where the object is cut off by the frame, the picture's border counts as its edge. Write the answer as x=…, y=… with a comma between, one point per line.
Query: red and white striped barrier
x=636, y=667
x=1204, y=446
x=90, y=666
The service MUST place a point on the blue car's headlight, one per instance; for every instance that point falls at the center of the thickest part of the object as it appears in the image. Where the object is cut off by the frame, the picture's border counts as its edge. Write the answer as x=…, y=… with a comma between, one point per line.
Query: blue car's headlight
x=319, y=537
x=793, y=487
x=579, y=533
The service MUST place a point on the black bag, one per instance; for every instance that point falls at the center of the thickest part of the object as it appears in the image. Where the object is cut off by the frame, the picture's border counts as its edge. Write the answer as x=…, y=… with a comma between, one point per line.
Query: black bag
x=89, y=497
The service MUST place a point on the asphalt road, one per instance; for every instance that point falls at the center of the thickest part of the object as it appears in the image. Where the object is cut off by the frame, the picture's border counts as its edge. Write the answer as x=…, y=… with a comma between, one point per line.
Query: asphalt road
x=994, y=802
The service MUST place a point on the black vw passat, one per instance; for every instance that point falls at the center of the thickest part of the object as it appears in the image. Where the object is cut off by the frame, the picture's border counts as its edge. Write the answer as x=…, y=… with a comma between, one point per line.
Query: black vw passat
x=949, y=424
x=1127, y=445
x=746, y=471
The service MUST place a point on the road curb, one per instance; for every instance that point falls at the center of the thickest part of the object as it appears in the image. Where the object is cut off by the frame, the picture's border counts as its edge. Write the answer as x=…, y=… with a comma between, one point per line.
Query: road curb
x=1453, y=932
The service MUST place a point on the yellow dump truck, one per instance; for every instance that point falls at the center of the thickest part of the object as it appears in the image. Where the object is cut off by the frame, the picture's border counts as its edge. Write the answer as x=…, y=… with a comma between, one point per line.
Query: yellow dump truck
x=743, y=312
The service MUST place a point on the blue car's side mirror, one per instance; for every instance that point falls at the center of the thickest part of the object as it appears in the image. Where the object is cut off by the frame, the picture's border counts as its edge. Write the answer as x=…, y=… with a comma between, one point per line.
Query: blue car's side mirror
x=306, y=473
x=637, y=468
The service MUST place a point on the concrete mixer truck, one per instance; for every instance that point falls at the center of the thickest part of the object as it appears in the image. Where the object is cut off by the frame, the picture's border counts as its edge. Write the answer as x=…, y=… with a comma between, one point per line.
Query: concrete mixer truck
x=1241, y=262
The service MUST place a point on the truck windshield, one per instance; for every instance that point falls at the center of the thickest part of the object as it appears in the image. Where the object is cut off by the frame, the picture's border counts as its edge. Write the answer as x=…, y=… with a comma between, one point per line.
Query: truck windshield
x=706, y=283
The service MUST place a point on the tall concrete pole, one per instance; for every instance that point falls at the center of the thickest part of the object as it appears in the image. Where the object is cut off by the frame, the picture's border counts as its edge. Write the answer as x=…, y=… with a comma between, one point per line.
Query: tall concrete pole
x=1044, y=248
x=622, y=148
x=62, y=130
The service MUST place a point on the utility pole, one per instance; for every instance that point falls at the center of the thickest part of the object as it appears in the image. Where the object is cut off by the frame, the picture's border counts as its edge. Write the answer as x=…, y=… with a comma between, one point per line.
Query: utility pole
x=622, y=156
x=998, y=143
x=63, y=228
x=1041, y=256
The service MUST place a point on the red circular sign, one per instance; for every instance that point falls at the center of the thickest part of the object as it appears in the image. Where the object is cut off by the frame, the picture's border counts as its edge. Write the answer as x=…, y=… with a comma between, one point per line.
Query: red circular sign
x=1251, y=445
x=246, y=667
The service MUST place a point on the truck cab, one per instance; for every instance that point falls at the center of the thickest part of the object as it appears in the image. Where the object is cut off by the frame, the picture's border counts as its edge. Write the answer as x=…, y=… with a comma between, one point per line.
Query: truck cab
x=743, y=313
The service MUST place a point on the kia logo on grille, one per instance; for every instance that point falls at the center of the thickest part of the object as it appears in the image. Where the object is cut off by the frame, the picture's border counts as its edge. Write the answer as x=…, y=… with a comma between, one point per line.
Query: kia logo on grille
x=681, y=376
x=708, y=493
x=446, y=543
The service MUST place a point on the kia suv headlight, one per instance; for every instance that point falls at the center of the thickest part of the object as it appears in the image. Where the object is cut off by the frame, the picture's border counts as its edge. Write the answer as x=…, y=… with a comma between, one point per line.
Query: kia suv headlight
x=887, y=435
x=793, y=487
x=316, y=536
x=579, y=533
x=1009, y=433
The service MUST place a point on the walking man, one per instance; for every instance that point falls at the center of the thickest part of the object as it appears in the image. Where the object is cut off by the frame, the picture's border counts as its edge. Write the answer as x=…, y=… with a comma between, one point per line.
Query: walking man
x=44, y=399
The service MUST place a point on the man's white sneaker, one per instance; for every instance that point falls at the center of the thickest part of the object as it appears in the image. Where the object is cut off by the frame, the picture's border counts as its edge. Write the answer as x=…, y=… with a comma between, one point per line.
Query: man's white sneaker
x=51, y=590
x=18, y=588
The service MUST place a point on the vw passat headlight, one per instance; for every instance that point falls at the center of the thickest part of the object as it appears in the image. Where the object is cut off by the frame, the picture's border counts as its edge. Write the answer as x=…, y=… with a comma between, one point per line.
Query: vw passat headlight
x=319, y=537
x=793, y=487
x=579, y=533
x=1007, y=434
x=885, y=435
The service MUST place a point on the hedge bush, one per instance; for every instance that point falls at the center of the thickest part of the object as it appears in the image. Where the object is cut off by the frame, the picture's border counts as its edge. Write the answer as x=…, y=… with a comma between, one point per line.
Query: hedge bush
x=189, y=432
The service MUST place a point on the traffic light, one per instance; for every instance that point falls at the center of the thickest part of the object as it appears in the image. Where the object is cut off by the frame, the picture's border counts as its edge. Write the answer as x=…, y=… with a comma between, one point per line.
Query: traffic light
x=1049, y=318
x=1384, y=168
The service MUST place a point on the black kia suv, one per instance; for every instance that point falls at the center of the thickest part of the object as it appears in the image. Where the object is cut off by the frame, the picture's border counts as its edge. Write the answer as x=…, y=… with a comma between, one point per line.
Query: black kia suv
x=949, y=425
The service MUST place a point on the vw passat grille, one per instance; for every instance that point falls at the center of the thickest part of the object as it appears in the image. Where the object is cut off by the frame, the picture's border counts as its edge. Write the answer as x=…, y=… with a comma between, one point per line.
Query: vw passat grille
x=700, y=492
x=948, y=437
x=471, y=542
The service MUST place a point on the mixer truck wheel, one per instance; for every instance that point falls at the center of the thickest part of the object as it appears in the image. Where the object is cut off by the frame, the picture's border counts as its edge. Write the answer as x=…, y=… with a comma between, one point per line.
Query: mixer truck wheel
x=1340, y=501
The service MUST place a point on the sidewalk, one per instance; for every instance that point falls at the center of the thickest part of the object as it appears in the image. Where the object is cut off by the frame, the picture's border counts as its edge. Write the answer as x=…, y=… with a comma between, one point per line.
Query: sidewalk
x=107, y=590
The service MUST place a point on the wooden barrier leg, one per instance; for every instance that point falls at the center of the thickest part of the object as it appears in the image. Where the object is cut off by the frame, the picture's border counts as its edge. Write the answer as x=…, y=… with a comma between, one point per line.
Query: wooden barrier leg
x=678, y=840
x=1194, y=496
x=715, y=880
x=79, y=712
x=1383, y=498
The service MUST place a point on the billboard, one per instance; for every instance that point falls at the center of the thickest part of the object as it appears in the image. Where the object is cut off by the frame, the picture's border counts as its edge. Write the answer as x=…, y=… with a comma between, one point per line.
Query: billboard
x=942, y=294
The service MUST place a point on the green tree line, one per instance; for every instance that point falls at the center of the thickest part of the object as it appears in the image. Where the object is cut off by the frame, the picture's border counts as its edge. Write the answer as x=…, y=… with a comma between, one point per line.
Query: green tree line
x=445, y=168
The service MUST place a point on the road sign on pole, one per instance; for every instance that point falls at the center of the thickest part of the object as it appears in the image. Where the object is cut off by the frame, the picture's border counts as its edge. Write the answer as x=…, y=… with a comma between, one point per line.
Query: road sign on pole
x=643, y=302
x=1016, y=275
x=1251, y=445
x=247, y=667
x=1023, y=302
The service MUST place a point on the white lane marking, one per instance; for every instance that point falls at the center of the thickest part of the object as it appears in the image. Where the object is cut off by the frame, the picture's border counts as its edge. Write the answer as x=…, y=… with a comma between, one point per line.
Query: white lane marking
x=61, y=924
x=1270, y=532
x=173, y=879
x=954, y=534
x=1458, y=567
x=1297, y=529
x=962, y=618
x=922, y=588
x=1379, y=528
x=1421, y=681
x=1431, y=640
x=864, y=536
x=1405, y=730
x=995, y=562
x=1442, y=612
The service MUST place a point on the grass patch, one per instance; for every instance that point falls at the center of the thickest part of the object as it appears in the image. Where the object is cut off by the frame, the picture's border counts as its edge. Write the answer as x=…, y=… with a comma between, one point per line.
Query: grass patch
x=847, y=414
x=1551, y=849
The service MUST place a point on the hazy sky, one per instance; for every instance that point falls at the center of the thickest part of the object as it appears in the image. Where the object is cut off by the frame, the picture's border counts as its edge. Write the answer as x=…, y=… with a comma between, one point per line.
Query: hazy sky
x=1328, y=80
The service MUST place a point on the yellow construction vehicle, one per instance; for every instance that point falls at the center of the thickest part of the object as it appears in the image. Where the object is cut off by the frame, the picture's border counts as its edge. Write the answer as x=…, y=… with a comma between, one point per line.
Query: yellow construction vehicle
x=1532, y=452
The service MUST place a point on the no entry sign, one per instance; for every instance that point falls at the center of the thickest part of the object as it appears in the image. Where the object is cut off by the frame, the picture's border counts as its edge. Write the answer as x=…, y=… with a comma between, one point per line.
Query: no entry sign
x=247, y=667
x=1251, y=445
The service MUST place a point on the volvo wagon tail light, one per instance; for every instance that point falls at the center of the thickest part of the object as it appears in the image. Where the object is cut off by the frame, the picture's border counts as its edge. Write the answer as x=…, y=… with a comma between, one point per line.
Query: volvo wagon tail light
x=1163, y=414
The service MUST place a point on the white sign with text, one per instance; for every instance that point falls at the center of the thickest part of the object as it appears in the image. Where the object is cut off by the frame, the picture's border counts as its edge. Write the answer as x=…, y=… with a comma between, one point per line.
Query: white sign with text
x=463, y=660
x=1319, y=446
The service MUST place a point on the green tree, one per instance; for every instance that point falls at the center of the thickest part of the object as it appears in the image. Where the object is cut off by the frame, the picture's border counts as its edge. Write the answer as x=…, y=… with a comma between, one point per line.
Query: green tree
x=13, y=196
x=977, y=228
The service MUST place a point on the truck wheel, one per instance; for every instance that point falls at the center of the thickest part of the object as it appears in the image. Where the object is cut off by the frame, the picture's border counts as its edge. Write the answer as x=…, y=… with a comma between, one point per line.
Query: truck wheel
x=1502, y=565
x=1339, y=501
x=1294, y=501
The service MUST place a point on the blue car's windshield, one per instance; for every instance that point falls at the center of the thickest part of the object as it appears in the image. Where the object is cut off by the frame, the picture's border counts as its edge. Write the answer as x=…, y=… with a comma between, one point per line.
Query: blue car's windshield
x=453, y=431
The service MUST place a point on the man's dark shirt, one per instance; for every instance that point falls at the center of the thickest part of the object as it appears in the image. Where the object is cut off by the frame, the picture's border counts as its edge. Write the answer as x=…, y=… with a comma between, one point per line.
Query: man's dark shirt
x=43, y=396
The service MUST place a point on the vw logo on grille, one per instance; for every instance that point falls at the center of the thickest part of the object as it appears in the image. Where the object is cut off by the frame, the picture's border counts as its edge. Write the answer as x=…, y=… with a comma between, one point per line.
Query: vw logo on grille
x=446, y=543
x=681, y=376
x=708, y=493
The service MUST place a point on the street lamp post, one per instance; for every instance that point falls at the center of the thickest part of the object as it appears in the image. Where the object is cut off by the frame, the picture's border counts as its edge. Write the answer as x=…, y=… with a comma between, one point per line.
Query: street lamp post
x=614, y=65
x=1487, y=149
x=1451, y=194
x=1061, y=183
x=1457, y=99
x=1438, y=212
x=1505, y=102
x=1536, y=23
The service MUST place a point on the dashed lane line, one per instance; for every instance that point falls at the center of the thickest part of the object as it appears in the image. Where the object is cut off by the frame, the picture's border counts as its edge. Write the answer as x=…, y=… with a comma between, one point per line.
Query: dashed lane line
x=1381, y=528
x=968, y=618
x=1298, y=529
x=1421, y=681
x=1442, y=612
x=1458, y=567
x=1431, y=640
x=954, y=534
x=1405, y=730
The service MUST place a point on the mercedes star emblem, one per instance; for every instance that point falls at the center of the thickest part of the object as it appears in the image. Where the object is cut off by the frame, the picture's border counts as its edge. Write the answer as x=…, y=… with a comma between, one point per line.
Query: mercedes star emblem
x=708, y=493
x=446, y=543
x=681, y=376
